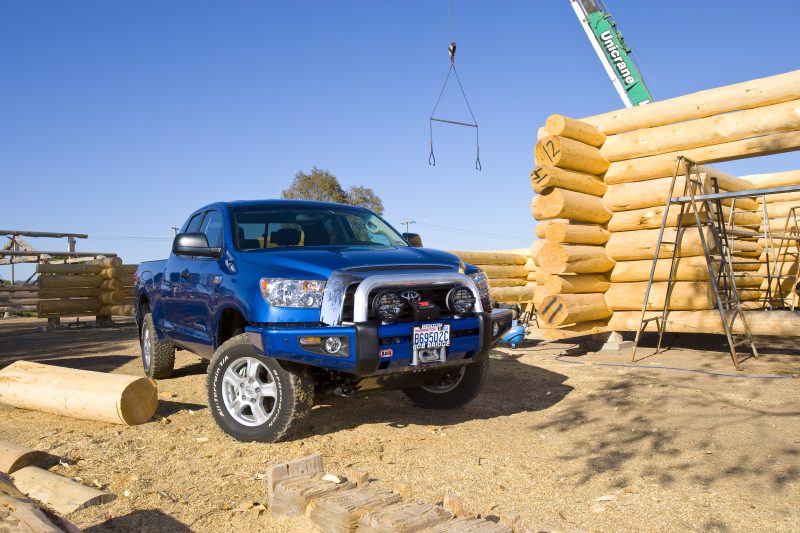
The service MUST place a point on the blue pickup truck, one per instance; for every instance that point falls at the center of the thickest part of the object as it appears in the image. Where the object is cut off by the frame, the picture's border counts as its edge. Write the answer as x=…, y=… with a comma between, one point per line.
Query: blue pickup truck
x=289, y=299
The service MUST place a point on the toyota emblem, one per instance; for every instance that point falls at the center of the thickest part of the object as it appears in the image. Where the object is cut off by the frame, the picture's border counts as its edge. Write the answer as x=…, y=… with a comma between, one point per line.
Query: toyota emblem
x=410, y=296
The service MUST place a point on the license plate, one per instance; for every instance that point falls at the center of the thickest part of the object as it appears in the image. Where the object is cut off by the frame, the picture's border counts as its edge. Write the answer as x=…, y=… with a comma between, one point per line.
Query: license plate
x=431, y=336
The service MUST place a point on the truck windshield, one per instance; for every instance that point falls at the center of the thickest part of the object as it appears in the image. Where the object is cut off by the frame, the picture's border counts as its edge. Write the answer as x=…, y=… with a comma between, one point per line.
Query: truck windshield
x=257, y=228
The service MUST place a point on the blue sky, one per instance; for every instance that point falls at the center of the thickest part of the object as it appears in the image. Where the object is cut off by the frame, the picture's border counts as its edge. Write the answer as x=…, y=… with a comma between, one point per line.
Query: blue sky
x=117, y=119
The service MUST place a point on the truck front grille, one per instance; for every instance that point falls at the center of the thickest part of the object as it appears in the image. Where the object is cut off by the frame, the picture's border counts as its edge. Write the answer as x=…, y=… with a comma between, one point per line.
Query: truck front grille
x=436, y=294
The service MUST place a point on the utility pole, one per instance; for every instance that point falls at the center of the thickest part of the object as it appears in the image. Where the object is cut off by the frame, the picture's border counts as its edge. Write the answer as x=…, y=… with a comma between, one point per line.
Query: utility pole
x=407, y=222
x=174, y=230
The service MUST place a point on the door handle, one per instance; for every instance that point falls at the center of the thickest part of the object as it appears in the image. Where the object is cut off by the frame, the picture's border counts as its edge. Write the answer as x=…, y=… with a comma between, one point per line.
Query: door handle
x=185, y=273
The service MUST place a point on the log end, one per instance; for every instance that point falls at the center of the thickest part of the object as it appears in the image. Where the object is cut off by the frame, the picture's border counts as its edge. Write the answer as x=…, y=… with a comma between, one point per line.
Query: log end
x=138, y=402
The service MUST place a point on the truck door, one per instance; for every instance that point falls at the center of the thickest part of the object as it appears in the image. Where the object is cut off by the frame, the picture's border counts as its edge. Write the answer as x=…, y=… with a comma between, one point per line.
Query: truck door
x=174, y=272
x=198, y=290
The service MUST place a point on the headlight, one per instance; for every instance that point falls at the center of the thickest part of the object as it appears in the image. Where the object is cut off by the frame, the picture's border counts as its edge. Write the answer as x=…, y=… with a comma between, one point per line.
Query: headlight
x=292, y=292
x=460, y=300
x=482, y=282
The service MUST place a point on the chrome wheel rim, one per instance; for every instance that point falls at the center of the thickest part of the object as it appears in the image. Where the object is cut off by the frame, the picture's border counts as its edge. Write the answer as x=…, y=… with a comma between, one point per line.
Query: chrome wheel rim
x=146, y=348
x=249, y=391
x=446, y=383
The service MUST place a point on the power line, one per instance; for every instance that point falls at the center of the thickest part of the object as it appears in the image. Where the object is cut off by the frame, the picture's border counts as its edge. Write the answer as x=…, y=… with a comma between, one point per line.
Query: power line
x=129, y=238
x=527, y=239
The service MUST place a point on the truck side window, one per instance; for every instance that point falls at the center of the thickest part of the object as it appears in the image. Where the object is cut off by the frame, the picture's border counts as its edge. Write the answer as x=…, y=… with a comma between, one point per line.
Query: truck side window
x=212, y=227
x=194, y=223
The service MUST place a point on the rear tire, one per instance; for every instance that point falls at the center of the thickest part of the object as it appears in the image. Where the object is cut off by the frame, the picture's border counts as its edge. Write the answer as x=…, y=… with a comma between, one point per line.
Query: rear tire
x=158, y=357
x=455, y=389
x=257, y=398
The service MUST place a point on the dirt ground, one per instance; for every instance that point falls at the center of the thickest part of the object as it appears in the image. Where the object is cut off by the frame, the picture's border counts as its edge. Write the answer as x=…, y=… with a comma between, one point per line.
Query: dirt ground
x=557, y=436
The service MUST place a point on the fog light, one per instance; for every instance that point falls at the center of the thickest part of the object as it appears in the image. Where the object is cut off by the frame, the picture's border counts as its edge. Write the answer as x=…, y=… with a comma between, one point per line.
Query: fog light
x=388, y=306
x=333, y=344
x=460, y=300
x=495, y=329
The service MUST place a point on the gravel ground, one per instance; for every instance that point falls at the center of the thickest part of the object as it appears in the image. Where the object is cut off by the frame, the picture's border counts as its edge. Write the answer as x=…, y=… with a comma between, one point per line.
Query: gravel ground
x=558, y=436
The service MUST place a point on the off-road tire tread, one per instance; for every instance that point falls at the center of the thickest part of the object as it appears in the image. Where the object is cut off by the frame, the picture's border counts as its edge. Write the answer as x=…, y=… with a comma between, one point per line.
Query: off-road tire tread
x=465, y=392
x=297, y=404
x=162, y=356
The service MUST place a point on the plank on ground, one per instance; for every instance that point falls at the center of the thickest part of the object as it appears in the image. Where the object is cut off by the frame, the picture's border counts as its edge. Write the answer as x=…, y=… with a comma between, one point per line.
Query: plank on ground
x=57, y=492
x=22, y=515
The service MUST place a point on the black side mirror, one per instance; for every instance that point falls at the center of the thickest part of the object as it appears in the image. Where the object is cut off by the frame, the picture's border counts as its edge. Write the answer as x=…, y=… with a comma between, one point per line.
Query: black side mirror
x=194, y=244
x=413, y=239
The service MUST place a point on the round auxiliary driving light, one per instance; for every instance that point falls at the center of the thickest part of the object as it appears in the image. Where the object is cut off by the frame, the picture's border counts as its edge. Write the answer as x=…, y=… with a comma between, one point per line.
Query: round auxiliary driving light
x=333, y=344
x=388, y=306
x=460, y=300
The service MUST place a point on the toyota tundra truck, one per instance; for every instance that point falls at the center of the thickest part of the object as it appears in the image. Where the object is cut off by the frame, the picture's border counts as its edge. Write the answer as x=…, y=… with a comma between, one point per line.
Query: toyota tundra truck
x=291, y=299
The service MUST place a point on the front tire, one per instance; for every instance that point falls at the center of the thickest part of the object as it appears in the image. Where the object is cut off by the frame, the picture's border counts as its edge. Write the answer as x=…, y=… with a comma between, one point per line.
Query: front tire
x=453, y=390
x=257, y=398
x=158, y=357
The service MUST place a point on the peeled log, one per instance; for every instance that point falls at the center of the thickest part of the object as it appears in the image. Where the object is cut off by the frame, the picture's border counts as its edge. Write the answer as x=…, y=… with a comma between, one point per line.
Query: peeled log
x=557, y=258
x=576, y=233
x=504, y=271
x=561, y=203
x=114, y=398
x=686, y=295
x=573, y=155
x=21, y=514
x=774, y=179
x=687, y=269
x=13, y=457
x=745, y=95
x=641, y=244
x=776, y=118
x=508, y=282
x=653, y=166
x=543, y=177
x=654, y=192
x=513, y=294
x=118, y=310
x=575, y=284
x=490, y=258
x=107, y=262
x=80, y=292
x=68, y=269
x=651, y=217
x=784, y=209
x=563, y=309
x=575, y=130
x=64, y=282
x=73, y=305
x=111, y=285
x=112, y=298
x=779, y=323
x=780, y=197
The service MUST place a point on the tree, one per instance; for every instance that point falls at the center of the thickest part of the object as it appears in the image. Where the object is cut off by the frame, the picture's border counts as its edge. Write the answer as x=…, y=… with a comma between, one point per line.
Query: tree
x=322, y=186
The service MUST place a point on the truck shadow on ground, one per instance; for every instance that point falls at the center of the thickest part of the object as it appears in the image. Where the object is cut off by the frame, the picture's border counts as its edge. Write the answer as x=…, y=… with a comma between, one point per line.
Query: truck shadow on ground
x=511, y=387
x=143, y=520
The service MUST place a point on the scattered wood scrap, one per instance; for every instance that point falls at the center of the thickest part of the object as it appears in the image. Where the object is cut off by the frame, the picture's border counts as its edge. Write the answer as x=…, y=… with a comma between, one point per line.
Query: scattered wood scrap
x=57, y=492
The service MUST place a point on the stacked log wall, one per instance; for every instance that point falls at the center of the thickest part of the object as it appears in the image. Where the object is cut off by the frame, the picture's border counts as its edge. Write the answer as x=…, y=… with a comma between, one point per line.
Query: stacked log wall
x=509, y=273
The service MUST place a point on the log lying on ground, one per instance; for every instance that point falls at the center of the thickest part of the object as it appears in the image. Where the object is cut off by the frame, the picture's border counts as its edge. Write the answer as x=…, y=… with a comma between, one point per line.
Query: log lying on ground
x=563, y=309
x=58, y=492
x=513, y=294
x=746, y=95
x=575, y=130
x=782, y=323
x=654, y=192
x=644, y=168
x=22, y=515
x=776, y=118
x=556, y=258
x=572, y=155
x=561, y=203
x=64, y=282
x=490, y=258
x=13, y=457
x=576, y=233
x=578, y=283
x=544, y=176
x=686, y=296
x=114, y=398
x=504, y=271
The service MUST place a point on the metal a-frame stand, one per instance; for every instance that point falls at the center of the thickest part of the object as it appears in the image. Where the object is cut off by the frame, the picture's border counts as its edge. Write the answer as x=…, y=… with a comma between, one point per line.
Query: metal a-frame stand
x=718, y=258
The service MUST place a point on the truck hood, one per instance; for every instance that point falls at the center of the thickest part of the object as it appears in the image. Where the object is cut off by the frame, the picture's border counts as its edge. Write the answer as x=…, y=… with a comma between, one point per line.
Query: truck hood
x=319, y=263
